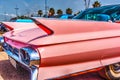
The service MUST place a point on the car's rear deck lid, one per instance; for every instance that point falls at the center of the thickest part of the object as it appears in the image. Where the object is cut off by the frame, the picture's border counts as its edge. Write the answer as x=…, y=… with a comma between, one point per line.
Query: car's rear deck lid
x=65, y=31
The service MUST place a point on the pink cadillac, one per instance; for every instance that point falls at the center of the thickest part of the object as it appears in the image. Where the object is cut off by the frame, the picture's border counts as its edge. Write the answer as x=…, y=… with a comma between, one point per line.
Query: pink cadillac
x=56, y=48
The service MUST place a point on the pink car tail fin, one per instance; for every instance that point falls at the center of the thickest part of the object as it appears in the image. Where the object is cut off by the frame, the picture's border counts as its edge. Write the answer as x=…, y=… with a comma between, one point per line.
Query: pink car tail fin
x=43, y=27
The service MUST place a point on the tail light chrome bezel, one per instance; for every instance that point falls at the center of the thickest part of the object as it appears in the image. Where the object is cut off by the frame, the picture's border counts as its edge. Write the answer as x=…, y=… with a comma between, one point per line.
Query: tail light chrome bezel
x=29, y=56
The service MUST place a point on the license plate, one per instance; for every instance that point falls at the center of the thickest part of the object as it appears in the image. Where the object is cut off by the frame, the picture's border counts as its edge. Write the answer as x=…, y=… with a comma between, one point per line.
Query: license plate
x=12, y=61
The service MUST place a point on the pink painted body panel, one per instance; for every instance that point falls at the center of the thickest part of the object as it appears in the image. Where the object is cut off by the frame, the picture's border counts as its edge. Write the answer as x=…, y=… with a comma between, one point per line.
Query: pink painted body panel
x=16, y=44
x=74, y=46
x=62, y=70
x=83, y=55
x=19, y=25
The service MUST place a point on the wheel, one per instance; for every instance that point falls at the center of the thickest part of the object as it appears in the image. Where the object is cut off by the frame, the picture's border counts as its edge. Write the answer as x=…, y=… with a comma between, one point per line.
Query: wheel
x=113, y=71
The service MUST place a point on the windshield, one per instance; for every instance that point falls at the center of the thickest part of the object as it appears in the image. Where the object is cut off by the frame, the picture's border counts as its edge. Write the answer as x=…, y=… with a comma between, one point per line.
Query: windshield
x=111, y=12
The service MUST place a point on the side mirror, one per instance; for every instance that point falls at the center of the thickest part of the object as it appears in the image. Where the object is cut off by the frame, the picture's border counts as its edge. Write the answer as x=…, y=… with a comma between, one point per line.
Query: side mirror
x=103, y=17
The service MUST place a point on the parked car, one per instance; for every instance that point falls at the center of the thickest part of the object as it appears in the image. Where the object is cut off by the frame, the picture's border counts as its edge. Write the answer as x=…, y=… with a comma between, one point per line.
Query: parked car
x=59, y=48
x=103, y=13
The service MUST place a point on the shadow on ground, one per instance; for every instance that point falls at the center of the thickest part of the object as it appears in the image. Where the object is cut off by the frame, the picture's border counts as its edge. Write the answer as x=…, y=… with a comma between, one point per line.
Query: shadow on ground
x=88, y=76
x=8, y=72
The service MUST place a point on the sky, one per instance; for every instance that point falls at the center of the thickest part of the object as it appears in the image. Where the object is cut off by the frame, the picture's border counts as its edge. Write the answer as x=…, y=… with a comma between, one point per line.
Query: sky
x=7, y=7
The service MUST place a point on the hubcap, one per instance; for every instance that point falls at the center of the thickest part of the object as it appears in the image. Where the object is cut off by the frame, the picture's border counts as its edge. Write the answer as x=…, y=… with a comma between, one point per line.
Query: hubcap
x=116, y=68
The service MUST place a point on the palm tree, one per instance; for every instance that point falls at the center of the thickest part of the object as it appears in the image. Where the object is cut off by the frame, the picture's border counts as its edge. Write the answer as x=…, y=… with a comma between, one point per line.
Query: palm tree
x=59, y=12
x=96, y=4
x=51, y=12
x=69, y=11
x=40, y=13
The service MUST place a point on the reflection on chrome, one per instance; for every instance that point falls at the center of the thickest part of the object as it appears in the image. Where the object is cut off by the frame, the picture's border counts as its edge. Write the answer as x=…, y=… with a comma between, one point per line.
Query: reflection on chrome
x=1, y=40
x=29, y=56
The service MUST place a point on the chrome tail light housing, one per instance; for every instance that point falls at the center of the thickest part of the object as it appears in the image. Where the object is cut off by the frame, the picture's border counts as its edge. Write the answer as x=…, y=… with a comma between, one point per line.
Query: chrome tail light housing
x=29, y=56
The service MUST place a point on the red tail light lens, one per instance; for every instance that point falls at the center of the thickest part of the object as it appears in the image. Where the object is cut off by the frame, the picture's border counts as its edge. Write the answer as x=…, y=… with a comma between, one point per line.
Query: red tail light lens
x=47, y=30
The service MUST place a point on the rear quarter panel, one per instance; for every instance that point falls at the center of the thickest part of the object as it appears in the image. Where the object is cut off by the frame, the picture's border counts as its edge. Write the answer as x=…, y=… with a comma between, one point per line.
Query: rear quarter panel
x=68, y=58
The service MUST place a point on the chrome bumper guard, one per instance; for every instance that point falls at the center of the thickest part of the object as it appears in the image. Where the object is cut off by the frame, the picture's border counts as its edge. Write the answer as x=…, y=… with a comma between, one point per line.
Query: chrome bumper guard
x=32, y=68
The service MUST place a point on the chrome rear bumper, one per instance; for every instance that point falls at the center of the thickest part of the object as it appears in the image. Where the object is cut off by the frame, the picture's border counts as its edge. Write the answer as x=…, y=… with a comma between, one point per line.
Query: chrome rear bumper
x=32, y=69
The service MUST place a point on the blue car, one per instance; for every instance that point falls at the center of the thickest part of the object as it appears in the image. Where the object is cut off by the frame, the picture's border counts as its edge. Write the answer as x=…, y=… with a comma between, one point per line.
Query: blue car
x=22, y=20
x=66, y=16
x=104, y=13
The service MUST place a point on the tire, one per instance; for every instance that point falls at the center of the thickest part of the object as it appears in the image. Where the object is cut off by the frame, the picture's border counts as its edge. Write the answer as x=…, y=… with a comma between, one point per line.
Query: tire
x=113, y=72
